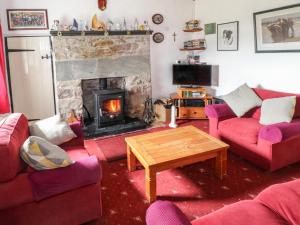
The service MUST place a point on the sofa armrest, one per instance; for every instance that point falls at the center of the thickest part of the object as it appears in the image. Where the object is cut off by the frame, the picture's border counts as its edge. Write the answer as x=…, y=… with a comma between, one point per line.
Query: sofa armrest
x=219, y=111
x=165, y=213
x=277, y=133
x=79, y=140
x=48, y=183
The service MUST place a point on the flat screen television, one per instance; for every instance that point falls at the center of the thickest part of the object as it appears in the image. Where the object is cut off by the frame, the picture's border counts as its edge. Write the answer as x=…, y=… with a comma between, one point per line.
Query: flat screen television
x=200, y=75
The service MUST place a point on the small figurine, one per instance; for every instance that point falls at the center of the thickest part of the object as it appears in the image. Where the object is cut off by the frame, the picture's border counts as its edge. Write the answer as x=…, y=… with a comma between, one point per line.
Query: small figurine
x=136, y=24
x=124, y=24
x=75, y=25
x=55, y=25
x=97, y=24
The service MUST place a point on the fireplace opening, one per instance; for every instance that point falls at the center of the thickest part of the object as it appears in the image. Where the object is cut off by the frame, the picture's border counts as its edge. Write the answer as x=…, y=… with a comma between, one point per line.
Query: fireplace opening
x=109, y=106
x=106, y=111
x=112, y=107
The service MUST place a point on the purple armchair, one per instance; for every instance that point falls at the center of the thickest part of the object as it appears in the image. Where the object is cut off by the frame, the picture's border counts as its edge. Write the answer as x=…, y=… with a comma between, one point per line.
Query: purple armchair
x=270, y=147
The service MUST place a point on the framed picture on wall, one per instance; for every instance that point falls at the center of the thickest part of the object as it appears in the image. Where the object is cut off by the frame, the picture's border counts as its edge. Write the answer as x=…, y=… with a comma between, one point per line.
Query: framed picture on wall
x=277, y=30
x=27, y=19
x=228, y=36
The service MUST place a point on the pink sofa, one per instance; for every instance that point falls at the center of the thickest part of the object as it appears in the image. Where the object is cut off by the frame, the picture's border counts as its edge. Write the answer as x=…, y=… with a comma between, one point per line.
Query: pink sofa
x=269, y=147
x=65, y=196
x=276, y=205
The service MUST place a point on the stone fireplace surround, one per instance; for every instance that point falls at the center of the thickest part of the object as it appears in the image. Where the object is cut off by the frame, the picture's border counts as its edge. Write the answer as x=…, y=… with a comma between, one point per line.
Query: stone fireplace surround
x=80, y=62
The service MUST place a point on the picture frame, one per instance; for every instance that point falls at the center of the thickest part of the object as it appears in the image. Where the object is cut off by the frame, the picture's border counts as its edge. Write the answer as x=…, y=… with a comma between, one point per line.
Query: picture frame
x=277, y=30
x=228, y=36
x=210, y=28
x=27, y=19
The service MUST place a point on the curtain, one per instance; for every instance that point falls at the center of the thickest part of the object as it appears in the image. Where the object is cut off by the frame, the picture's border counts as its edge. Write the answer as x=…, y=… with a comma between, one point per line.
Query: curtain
x=4, y=102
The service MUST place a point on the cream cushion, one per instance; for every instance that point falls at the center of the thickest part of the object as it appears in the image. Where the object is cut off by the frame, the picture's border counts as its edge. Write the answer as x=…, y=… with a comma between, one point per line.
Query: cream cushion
x=53, y=129
x=277, y=110
x=242, y=100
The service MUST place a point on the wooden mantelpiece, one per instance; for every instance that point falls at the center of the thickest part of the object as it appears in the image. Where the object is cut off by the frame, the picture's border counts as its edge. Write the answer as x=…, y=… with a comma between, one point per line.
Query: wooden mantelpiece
x=100, y=33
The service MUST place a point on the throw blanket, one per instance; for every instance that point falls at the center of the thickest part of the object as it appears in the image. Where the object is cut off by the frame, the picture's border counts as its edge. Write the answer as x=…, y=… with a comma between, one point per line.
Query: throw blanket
x=48, y=183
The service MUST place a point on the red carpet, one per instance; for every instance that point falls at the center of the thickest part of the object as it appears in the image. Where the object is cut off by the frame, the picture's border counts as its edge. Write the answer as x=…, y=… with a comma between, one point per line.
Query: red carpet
x=193, y=189
x=114, y=148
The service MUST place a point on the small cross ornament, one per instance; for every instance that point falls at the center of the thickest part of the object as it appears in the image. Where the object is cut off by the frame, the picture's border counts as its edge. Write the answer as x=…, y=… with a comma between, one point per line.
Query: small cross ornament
x=174, y=35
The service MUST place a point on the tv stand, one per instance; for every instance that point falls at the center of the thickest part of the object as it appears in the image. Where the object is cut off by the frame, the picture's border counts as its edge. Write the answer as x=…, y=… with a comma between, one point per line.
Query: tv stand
x=190, y=102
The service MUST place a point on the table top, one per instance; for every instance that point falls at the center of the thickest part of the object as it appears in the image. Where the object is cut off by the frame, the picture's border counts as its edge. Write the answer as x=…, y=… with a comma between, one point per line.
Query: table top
x=173, y=145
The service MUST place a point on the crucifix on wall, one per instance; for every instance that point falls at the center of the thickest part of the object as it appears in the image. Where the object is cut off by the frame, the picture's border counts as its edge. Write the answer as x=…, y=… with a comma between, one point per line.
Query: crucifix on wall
x=102, y=4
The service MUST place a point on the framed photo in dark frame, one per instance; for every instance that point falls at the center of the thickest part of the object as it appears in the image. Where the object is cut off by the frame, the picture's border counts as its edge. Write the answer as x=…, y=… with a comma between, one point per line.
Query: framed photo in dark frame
x=228, y=36
x=27, y=19
x=277, y=30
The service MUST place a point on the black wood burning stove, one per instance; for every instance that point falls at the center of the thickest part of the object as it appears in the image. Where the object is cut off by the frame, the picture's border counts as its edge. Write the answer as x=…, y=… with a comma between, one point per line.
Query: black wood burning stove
x=109, y=107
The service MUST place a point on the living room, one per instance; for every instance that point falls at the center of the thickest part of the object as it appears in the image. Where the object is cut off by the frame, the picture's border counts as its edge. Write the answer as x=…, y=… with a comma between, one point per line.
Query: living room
x=161, y=113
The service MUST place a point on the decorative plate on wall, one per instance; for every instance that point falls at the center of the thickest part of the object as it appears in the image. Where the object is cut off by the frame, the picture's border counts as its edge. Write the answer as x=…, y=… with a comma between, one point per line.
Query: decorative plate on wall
x=158, y=37
x=157, y=18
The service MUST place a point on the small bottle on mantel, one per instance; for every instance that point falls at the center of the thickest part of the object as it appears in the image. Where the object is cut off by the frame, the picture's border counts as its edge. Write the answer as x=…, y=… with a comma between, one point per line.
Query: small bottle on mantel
x=124, y=24
x=136, y=24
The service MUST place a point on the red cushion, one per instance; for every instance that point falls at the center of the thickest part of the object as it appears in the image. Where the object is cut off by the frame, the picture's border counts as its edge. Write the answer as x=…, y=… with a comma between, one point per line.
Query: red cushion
x=266, y=94
x=77, y=153
x=13, y=133
x=244, y=129
x=242, y=213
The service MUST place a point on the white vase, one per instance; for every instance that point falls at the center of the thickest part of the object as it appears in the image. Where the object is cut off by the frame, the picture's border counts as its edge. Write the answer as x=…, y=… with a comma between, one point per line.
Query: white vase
x=173, y=117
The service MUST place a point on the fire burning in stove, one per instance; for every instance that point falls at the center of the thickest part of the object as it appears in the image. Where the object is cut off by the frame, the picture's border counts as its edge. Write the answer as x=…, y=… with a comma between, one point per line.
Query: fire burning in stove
x=112, y=106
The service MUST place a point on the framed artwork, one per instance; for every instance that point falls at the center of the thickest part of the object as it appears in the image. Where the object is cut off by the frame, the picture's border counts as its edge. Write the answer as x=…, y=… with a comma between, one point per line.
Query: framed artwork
x=228, y=36
x=277, y=30
x=210, y=28
x=27, y=19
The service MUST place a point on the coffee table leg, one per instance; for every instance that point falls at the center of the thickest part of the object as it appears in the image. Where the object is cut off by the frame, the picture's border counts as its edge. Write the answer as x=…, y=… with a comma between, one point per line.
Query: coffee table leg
x=150, y=184
x=221, y=164
x=131, y=160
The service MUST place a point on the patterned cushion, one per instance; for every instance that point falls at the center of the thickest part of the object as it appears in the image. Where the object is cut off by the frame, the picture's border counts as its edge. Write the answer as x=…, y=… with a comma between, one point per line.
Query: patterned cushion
x=42, y=155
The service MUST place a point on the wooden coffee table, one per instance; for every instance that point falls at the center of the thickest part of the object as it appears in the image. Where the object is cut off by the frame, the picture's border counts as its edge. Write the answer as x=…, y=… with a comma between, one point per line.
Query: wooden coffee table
x=174, y=148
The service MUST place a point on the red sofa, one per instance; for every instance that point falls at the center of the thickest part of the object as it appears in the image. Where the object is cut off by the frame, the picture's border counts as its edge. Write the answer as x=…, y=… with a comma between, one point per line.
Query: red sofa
x=269, y=147
x=276, y=205
x=46, y=197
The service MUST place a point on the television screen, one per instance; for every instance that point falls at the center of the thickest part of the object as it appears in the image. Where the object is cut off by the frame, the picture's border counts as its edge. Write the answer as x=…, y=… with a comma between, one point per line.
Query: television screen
x=192, y=75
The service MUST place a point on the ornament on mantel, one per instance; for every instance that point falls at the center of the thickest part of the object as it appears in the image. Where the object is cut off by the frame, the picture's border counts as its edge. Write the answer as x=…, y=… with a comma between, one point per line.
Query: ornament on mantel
x=97, y=24
x=102, y=4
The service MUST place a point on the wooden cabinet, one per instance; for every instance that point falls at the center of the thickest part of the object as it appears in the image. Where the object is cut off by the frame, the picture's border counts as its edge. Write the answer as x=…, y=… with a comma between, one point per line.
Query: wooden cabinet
x=191, y=107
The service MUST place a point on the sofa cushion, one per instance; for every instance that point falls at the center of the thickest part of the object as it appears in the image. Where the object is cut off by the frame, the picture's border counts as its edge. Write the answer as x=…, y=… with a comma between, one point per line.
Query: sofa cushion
x=42, y=155
x=277, y=110
x=267, y=94
x=77, y=153
x=244, y=129
x=52, y=182
x=242, y=100
x=13, y=133
x=16, y=192
x=53, y=129
x=287, y=200
x=247, y=212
